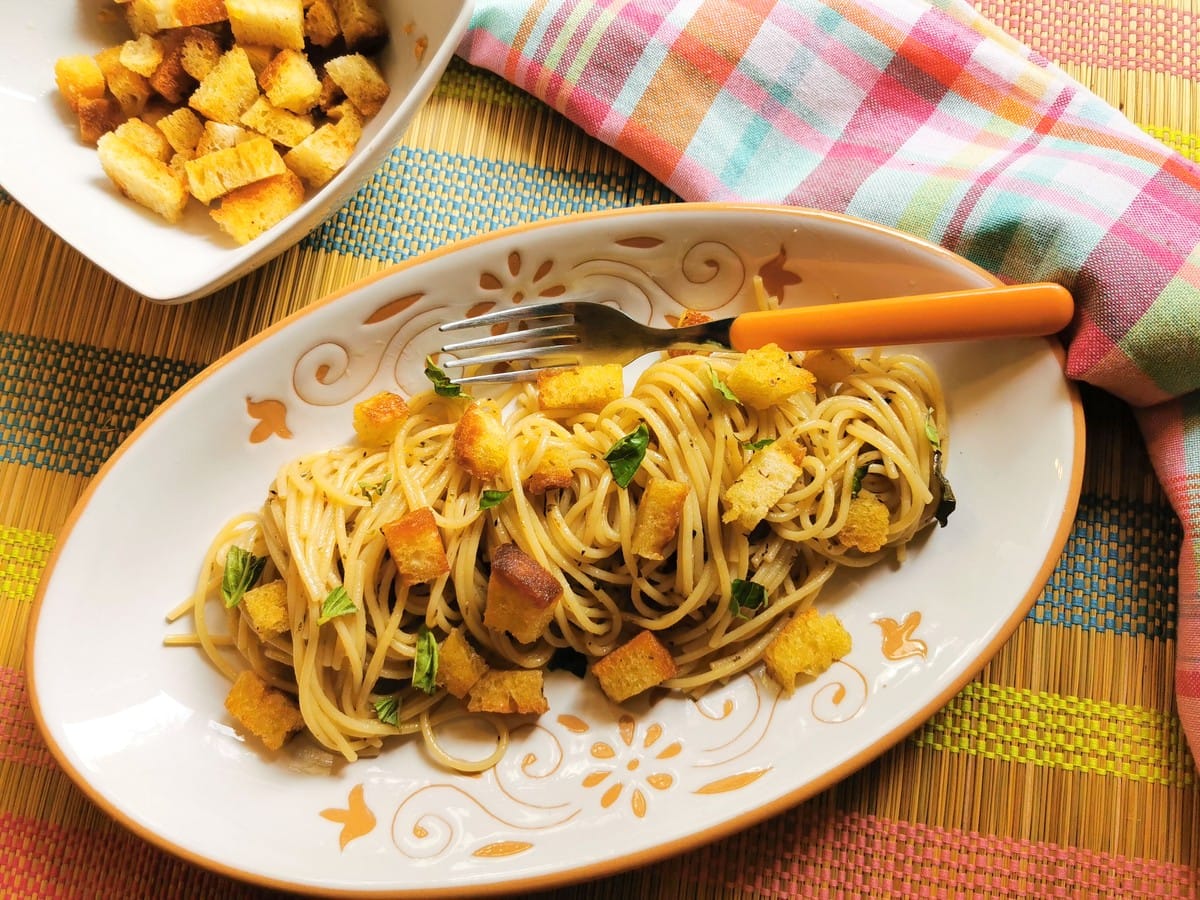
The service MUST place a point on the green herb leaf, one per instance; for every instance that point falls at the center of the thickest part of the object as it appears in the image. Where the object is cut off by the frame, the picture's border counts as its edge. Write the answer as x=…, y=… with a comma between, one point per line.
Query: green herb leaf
x=856, y=482
x=242, y=569
x=338, y=603
x=489, y=499
x=758, y=445
x=625, y=457
x=721, y=387
x=931, y=431
x=425, y=666
x=387, y=710
x=946, y=502
x=442, y=385
x=372, y=490
x=747, y=596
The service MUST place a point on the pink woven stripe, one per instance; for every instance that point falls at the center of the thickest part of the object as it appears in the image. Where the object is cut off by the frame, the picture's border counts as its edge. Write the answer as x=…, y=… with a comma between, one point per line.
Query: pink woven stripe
x=19, y=738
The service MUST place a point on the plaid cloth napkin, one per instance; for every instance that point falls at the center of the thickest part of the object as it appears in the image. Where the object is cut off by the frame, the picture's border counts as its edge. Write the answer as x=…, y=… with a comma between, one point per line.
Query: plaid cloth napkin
x=925, y=117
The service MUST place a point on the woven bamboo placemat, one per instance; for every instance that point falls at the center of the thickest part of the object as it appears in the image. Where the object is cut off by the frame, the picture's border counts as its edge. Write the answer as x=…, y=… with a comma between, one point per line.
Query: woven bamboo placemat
x=1060, y=770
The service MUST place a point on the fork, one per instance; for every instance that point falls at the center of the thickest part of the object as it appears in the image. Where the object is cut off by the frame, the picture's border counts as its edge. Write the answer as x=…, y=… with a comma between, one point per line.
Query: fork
x=577, y=332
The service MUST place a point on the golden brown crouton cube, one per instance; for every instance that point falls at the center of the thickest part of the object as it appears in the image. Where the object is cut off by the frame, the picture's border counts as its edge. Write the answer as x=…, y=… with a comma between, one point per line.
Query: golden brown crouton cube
x=830, y=366
x=635, y=666
x=480, y=443
x=378, y=419
x=658, y=515
x=416, y=546
x=265, y=712
x=79, y=77
x=273, y=23
x=688, y=318
x=584, y=387
x=198, y=12
x=98, y=117
x=143, y=16
x=807, y=645
x=169, y=78
x=361, y=81
x=142, y=55
x=320, y=156
x=516, y=691
x=459, y=665
x=266, y=606
x=142, y=178
x=228, y=90
x=361, y=23
x=199, y=51
x=129, y=88
x=222, y=171
x=767, y=375
x=279, y=125
x=521, y=595
x=553, y=471
x=182, y=128
x=767, y=476
x=290, y=82
x=321, y=24
x=867, y=523
x=145, y=137
x=248, y=211
x=219, y=136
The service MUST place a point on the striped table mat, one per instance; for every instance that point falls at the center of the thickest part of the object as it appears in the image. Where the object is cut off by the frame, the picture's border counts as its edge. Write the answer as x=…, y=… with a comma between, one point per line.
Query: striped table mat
x=1060, y=770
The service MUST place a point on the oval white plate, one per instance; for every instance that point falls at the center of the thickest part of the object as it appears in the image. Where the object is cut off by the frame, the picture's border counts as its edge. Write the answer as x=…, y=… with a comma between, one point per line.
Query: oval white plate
x=592, y=787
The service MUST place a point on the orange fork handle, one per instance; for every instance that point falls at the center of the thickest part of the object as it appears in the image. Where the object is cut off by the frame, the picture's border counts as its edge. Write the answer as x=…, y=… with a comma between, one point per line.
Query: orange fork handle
x=1002, y=311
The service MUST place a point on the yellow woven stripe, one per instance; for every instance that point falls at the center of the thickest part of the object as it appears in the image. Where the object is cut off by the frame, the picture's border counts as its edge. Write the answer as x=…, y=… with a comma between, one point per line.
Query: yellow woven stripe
x=1182, y=142
x=23, y=556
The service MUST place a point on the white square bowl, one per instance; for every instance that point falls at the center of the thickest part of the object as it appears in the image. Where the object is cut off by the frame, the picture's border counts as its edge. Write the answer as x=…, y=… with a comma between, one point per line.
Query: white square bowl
x=47, y=168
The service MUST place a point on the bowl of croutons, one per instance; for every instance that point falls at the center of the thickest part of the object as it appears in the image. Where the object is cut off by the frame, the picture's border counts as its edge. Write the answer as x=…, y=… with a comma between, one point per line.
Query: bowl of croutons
x=180, y=144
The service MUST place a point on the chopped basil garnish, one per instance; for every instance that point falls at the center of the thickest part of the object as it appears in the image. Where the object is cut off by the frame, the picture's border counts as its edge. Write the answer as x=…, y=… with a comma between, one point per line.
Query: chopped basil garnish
x=931, y=431
x=442, y=385
x=747, y=596
x=489, y=499
x=425, y=666
x=946, y=503
x=856, y=482
x=242, y=569
x=721, y=387
x=626, y=455
x=371, y=490
x=758, y=445
x=338, y=603
x=387, y=710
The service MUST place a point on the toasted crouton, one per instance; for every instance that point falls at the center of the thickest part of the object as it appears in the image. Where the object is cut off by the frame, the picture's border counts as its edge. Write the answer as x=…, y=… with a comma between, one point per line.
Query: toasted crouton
x=145, y=137
x=688, y=318
x=807, y=645
x=199, y=52
x=273, y=23
x=584, y=387
x=142, y=55
x=658, y=515
x=279, y=125
x=480, y=444
x=867, y=523
x=830, y=366
x=767, y=375
x=143, y=16
x=321, y=24
x=767, y=476
x=290, y=82
x=266, y=606
x=521, y=595
x=142, y=178
x=459, y=665
x=248, y=211
x=634, y=667
x=97, y=117
x=515, y=691
x=227, y=90
x=379, y=418
x=130, y=89
x=219, y=136
x=169, y=78
x=265, y=712
x=361, y=81
x=416, y=546
x=553, y=471
x=182, y=129
x=79, y=77
x=361, y=24
x=320, y=156
x=218, y=173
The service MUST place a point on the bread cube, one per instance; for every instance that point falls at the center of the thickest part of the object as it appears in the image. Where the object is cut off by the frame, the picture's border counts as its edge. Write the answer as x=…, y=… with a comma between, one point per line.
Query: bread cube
x=198, y=12
x=153, y=16
x=145, y=137
x=182, y=129
x=79, y=77
x=830, y=366
x=459, y=665
x=290, y=82
x=214, y=174
x=248, y=211
x=766, y=477
x=142, y=178
x=516, y=691
x=130, y=89
x=279, y=125
x=765, y=376
x=585, y=387
x=199, y=52
x=658, y=515
x=521, y=596
x=867, y=523
x=219, y=136
x=142, y=55
x=378, y=419
x=416, y=546
x=269, y=714
x=362, y=24
x=553, y=471
x=169, y=78
x=97, y=117
x=321, y=24
x=360, y=80
x=688, y=318
x=227, y=90
x=266, y=606
x=480, y=444
x=320, y=156
x=634, y=667
x=273, y=23
x=807, y=645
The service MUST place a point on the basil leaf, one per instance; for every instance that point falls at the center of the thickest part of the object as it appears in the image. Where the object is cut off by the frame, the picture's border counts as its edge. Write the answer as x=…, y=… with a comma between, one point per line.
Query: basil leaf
x=721, y=387
x=488, y=499
x=856, y=482
x=387, y=710
x=338, y=603
x=946, y=503
x=757, y=445
x=625, y=457
x=242, y=569
x=371, y=490
x=747, y=595
x=931, y=431
x=425, y=666
x=442, y=385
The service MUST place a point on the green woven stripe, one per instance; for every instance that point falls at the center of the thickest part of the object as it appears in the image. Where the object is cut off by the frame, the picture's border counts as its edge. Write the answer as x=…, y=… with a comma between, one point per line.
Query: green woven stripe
x=23, y=556
x=462, y=81
x=1070, y=733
